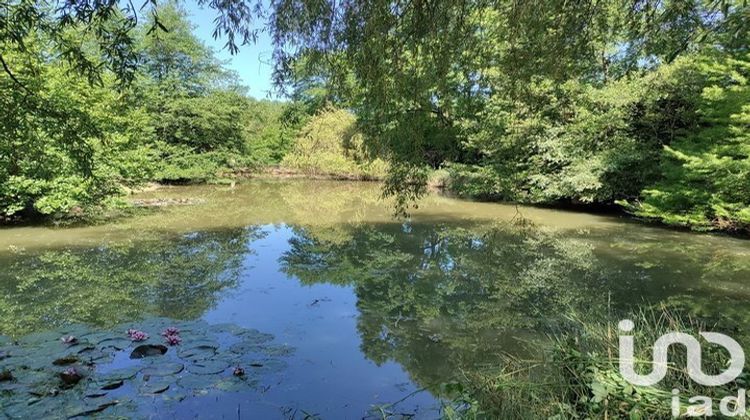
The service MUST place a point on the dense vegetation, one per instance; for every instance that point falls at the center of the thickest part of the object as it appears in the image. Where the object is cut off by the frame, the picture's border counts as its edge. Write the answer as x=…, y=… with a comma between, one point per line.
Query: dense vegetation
x=641, y=104
x=330, y=144
x=69, y=147
x=636, y=103
x=534, y=296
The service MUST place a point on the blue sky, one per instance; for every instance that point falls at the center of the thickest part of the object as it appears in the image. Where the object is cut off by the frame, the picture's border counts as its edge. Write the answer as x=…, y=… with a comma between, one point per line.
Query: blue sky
x=254, y=61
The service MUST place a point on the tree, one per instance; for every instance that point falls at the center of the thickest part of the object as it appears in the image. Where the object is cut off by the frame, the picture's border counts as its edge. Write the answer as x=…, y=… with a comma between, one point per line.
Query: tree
x=111, y=41
x=330, y=144
x=420, y=76
x=64, y=144
x=705, y=173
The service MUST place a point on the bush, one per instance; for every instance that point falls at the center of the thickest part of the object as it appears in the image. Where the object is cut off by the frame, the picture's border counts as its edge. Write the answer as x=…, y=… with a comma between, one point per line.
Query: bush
x=67, y=145
x=705, y=172
x=672, y=144
x=572, y=142
x=329, y=144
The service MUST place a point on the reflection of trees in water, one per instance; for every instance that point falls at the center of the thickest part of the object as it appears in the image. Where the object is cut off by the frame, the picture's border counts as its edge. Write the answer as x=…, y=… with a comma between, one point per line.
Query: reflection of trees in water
x=106, y=285
x=442, y=299
x=703, y=276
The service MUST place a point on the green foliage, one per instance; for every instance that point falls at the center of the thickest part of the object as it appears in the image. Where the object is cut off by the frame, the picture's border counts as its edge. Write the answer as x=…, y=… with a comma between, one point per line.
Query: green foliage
x=270, y=129
x=111, y=42
x=202, y=121
x=573, y=142
x=580, y=115
x=706, y=171
x=637, y=103
x=330, y=144
x=65, y=144
x=581, y=376
x=671, y=144
x=69, y=147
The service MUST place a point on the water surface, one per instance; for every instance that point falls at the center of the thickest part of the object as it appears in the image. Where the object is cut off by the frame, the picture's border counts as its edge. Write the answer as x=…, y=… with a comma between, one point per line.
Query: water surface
x=381, y=310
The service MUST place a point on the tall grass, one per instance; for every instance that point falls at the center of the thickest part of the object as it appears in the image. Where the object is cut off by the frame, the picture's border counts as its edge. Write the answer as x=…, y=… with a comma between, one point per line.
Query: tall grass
x=578, y=374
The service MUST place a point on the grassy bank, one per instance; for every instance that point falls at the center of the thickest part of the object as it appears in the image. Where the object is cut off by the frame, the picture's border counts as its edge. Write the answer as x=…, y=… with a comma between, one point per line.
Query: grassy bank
x=577, y=375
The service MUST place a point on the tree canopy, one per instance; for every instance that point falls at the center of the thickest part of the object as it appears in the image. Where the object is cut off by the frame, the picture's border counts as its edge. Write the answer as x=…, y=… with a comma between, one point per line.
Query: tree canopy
x=604, y=103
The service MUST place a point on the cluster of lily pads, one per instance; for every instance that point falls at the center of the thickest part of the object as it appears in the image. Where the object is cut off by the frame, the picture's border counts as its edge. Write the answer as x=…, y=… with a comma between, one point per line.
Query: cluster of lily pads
x=75, y=371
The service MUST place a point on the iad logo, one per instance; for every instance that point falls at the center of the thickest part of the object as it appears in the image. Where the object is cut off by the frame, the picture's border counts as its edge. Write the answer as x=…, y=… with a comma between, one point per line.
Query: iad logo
x=736, y=360
x=694, y=368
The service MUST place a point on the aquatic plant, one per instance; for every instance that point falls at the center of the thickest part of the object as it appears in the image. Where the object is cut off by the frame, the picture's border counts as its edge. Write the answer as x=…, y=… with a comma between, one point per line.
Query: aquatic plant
x=170, y=331
x=578, y=376
x=136, y=335
x=110, y=375
x=70, y=376
x=173, y=340
x=69, y=339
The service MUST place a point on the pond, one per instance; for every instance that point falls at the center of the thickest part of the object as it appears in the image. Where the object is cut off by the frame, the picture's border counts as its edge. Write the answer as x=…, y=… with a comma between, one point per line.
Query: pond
x=379, y=311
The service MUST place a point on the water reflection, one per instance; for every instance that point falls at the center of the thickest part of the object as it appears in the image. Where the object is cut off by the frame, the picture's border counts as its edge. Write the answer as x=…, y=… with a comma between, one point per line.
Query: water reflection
x=109, y=284
x=456, y=289
x=449, y=298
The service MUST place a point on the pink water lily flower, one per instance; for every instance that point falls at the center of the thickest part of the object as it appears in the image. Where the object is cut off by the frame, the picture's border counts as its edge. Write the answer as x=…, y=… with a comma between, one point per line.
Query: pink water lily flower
x=136, y=335
x=170, y=331
x=173, y=340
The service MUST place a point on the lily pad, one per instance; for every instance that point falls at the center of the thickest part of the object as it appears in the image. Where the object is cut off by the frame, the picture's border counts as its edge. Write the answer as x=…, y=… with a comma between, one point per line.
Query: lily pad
x=196, y=382
x=39, y=338
x=233, y=384
x=87, y=409
x=163, y=369
x=117, y=343
x=244, y=347
x=66, y=360
x=111, y=366
x=208, y=367
x=78, y=346
x=32, y=377
x=11, y=386
x=255, y=336
x=154, y=387
x=95, y=355
x=148, y=350
x=279, y=350
x=199, y=352
x=112, y=385
x=96, y=395
x=266, y=366
x=120, y=374
x=227, y=328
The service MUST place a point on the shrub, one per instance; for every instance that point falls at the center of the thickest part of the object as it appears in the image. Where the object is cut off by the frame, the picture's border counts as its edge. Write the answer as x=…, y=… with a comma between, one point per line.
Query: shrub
x=705, y=172
x=329, y=144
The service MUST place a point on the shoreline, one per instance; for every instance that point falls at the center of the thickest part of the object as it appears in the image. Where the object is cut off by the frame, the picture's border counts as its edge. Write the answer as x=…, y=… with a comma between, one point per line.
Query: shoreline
x=282, y=174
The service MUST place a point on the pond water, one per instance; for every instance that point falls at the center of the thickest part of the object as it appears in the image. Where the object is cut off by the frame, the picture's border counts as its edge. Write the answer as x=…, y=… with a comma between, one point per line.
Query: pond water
x=379, y=310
